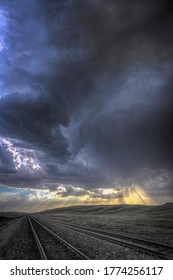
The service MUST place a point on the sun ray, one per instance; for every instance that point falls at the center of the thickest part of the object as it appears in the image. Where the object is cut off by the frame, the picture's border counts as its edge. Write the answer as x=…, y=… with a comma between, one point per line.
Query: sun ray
x=135, y=195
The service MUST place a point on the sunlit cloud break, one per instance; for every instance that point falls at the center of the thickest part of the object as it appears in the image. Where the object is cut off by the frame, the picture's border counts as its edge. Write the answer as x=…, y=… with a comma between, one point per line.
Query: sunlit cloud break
x=22, y=158
x=67, y=195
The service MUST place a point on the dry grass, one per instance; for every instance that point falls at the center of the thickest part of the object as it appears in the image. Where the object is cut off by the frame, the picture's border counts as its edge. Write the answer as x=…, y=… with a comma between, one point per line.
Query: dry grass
x=150, y=222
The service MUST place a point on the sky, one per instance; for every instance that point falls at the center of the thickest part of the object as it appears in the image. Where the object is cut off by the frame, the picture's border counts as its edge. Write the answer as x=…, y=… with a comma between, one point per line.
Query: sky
x=85, y=103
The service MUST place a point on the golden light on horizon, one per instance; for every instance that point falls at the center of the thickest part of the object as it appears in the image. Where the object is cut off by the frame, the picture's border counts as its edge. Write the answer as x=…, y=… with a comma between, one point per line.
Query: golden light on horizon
x=136, y=195
x=42, y=199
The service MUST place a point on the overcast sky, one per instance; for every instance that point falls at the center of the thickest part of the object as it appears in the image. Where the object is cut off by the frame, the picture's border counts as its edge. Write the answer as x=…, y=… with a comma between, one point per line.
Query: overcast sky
x=86, y=102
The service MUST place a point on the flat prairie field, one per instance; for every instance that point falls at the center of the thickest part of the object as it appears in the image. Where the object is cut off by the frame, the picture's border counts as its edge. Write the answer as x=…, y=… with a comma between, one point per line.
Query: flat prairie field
x=149, y=222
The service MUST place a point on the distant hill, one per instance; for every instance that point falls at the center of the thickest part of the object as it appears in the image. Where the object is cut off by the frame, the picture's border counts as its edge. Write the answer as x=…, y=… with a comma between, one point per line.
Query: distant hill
x=122, y=209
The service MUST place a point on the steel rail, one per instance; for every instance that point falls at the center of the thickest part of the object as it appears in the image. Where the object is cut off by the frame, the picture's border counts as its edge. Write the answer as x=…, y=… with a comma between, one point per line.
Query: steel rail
x=40, y=247
x=74, y=249
x=108, y=236
x=132, y=238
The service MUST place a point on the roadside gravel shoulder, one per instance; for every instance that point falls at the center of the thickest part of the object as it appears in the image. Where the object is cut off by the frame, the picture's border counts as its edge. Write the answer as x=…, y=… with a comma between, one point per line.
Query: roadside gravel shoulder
x=16, y=242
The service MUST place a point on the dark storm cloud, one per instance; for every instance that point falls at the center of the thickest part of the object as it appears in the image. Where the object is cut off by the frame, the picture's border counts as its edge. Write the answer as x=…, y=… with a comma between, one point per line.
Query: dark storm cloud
x=127, y=122
x=87, y=85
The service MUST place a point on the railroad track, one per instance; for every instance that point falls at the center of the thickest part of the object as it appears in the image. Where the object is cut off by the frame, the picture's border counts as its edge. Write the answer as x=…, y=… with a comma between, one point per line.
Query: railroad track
x=151, y=248
x=51, y=245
